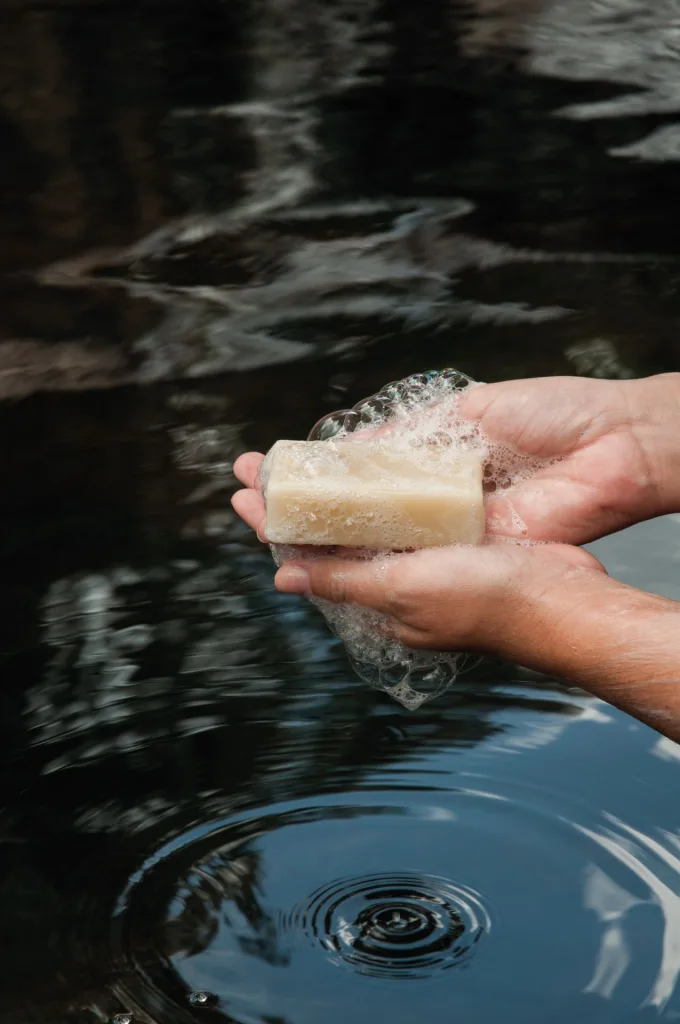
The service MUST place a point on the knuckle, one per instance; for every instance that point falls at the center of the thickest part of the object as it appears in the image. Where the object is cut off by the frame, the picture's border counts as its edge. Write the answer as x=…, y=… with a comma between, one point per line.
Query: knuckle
x=415, y=639
x=335, y=587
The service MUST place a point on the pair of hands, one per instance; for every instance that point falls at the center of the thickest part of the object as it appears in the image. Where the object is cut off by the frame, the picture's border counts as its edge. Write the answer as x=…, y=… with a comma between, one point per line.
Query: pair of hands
x=618, y=462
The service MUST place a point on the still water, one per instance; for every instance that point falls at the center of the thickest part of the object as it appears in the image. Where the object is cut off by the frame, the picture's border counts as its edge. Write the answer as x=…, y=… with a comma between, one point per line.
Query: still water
x=221, y=220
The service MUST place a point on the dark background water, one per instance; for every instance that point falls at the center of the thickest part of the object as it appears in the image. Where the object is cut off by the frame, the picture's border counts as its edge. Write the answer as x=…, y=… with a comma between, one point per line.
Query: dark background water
x=220, y=220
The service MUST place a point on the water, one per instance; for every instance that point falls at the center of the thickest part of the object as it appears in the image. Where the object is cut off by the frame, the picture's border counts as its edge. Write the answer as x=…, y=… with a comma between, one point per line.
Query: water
x=220, y=222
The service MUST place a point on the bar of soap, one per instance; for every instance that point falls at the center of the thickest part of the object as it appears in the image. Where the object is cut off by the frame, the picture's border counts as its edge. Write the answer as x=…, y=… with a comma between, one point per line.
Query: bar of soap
x=372, y=494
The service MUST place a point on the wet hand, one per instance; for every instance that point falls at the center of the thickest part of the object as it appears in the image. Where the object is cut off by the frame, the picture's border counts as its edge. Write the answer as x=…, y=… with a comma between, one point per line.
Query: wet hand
x=248, y=502
x=486, y=599
x=614, y=440
x=551, y=608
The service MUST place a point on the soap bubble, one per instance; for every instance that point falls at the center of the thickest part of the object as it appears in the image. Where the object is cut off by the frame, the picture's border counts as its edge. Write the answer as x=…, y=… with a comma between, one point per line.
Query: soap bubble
x=393, y=403
x=421, y=410
x=410, y=677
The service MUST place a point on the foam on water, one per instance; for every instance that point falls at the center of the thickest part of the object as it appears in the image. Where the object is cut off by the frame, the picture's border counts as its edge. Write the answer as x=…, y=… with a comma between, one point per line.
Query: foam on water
x=422, y=411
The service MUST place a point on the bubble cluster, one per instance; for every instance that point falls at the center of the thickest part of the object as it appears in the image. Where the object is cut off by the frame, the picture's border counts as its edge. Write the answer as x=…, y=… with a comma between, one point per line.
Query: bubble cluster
x=399, y=406
x=422, y=411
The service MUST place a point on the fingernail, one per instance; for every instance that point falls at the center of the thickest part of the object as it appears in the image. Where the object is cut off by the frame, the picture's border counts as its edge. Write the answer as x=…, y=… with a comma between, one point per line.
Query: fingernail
x=292, y=579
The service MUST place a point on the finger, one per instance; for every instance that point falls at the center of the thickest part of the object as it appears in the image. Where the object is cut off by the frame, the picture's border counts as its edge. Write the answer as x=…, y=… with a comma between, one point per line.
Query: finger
x=395, y=583
x=247, y=469
x=340, y=581
x=248, y=504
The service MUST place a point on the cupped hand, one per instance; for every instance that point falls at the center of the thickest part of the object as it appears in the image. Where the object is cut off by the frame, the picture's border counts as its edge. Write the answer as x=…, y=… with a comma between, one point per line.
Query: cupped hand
x=488, y=599
x=550, y=607
x=604, y=478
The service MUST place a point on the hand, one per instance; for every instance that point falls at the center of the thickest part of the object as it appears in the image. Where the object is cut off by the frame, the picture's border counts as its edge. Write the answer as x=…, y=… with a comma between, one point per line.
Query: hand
x=249, y=503
x=617, y=445
x=457, y=598
x=616, y=442
x=550, y=607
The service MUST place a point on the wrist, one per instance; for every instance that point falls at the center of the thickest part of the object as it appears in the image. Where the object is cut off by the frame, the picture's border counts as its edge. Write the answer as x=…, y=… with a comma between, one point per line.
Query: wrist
x=544, y=610
x=620, y=644
x=655, y=408
x=527, y=595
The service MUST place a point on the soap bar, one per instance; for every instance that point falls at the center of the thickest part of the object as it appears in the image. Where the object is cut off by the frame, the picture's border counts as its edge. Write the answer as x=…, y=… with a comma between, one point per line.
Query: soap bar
x=373, y=493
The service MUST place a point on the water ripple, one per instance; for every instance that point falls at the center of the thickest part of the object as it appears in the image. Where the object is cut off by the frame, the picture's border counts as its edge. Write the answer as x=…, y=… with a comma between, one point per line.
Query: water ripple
x=259, y=909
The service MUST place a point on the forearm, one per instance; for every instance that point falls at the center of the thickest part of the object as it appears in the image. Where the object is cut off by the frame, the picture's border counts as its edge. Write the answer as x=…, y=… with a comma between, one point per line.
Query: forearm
x=619, y=643
x=655, y=403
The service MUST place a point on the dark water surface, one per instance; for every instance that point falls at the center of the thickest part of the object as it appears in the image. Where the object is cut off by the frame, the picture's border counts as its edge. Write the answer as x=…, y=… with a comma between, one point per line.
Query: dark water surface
x=220, y=220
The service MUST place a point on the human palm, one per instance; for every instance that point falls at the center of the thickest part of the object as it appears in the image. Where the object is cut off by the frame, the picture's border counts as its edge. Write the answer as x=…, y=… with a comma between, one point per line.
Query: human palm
x=601, y=482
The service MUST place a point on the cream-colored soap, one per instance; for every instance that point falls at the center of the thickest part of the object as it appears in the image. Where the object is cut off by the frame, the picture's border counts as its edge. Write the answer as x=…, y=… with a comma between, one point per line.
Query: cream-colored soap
x=373, y=494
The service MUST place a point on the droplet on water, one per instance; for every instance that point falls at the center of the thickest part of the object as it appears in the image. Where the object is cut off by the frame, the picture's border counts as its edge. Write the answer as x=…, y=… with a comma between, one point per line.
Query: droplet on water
x=204, y=999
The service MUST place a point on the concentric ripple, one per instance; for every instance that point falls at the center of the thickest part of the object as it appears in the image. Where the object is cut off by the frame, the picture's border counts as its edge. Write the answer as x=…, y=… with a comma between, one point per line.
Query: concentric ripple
x=392, y=925
x=481, y=883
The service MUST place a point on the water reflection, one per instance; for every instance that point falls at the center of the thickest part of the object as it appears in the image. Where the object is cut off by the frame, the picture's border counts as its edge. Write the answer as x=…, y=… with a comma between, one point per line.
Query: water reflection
x=230, y=219
x=229, y=905
x=158, y=689
x=357, y=177
x=612, y=905
x=181, y=695
x=175, y=693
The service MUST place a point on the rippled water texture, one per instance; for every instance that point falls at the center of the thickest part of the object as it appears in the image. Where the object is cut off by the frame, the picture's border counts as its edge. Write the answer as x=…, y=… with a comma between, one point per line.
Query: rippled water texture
x=523, y=894
x=220, y=222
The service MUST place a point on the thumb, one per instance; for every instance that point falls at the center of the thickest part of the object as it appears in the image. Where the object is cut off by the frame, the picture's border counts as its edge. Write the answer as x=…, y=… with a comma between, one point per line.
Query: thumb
x=339, y=580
